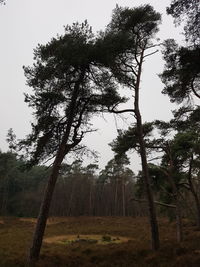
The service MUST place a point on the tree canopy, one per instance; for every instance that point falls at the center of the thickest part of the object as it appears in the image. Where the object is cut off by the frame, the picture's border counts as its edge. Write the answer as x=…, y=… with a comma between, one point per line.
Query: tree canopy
x=69, y=86
x=181, y=75
x=188, y=11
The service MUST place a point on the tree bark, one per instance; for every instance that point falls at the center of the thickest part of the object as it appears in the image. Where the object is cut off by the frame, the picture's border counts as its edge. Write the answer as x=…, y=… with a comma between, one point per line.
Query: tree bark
x=43, y=214
x=123, y=197
x=45, y=206
x=179, y=224
x=116, y=198
x=152, y=210
x=71, y=198
x=194, y=193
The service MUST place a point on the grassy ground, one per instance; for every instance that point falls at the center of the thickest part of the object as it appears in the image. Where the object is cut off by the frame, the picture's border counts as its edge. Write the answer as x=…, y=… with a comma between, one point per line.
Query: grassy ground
x=16, y=235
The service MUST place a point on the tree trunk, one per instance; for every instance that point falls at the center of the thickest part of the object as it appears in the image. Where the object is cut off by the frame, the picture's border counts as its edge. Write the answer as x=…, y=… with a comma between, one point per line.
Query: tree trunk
x=45, y=206
x=44, y=211
x=152, y=210
x=116, y=198
x=194, y=193
x=123, y=197
x=5, y=195
x=197, y=202
x=179, y=224
x=151, y=205
x=71, y=198
x=90, y=213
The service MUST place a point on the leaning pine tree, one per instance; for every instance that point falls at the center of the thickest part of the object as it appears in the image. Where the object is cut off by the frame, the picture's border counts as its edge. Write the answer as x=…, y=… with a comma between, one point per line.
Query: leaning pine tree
x=69, y=86
x=129, y=41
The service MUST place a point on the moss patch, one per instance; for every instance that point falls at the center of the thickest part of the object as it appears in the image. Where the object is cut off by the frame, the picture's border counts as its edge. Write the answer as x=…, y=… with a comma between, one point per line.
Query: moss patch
x=86, y=239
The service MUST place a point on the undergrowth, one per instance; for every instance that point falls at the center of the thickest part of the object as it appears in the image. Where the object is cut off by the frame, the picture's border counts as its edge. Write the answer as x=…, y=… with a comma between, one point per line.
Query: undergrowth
x=16, y=235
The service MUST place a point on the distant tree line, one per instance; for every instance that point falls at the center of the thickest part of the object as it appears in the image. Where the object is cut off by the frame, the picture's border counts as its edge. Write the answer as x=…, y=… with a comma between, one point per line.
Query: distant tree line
x=80, y=191
x=88, y=191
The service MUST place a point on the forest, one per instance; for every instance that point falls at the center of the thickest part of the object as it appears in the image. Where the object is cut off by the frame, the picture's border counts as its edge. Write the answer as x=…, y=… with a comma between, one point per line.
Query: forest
x=74, y=77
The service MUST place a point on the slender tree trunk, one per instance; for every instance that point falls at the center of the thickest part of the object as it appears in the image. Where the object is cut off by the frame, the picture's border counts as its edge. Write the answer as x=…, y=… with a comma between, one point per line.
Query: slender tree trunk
x=71, y=198
x=152, y=209
x=43, y=214
x=194, y=193
x=179, y=224
x=197, y=202
x=90, y=198
x=5, y=195
x=45, y=206
x=123, y=198
x=116, y=198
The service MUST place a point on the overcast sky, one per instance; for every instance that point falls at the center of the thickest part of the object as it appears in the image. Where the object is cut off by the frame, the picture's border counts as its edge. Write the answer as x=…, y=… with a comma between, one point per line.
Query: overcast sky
x=25, y=23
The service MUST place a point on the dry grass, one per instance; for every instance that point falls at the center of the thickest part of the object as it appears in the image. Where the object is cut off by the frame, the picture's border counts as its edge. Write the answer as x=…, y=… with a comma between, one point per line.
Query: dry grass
x=16, y=235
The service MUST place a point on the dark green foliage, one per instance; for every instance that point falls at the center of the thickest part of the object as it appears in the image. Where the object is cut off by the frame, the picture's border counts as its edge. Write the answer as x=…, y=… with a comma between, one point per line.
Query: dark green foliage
x=181, y=75
x=128, y=139
x=188, y=11
x=116, y=167
x=176, y=144
x=79, y=190
x=140, y=20
x=129, y=32
x=20, y=191
x=68, y=88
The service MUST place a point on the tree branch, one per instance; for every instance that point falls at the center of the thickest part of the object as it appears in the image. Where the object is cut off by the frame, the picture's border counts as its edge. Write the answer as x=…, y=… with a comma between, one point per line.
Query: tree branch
x=156, y=202
x=193, y=90
x=120, y=111
x=151, y=53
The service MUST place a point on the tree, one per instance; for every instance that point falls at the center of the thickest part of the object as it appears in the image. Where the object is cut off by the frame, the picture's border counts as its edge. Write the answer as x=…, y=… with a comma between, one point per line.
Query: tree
x=177, y=142
x=180, y=160
x=8, y=171
x=181, y=78
x=116, y=174
x=188, y=11
x=187, y=149
x=19, y=188
x=130, y=36
x=181, y=74
x=69, y=86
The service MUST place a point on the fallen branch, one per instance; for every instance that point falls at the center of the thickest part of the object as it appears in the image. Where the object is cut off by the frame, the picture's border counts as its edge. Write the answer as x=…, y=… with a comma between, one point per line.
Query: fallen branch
x=156, y=202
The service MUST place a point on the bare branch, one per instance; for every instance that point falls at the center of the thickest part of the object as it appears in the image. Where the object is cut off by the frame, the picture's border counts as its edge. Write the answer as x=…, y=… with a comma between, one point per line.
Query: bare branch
x=150, y=54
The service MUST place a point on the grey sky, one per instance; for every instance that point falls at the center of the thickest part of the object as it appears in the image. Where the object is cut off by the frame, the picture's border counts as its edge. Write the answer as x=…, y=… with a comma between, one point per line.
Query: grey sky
x=25, y=23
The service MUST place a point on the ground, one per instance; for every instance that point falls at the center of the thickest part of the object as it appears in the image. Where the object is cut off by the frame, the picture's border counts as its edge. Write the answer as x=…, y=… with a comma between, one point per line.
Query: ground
x=98, y=241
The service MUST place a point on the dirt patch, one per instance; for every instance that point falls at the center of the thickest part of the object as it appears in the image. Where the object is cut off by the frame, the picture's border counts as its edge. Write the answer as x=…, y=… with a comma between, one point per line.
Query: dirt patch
x=31, y=220
x=89, y=239
x=50, y=221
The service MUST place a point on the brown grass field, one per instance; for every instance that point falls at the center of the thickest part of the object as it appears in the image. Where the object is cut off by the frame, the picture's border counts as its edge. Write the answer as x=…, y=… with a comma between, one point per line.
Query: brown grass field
x=131, y=245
